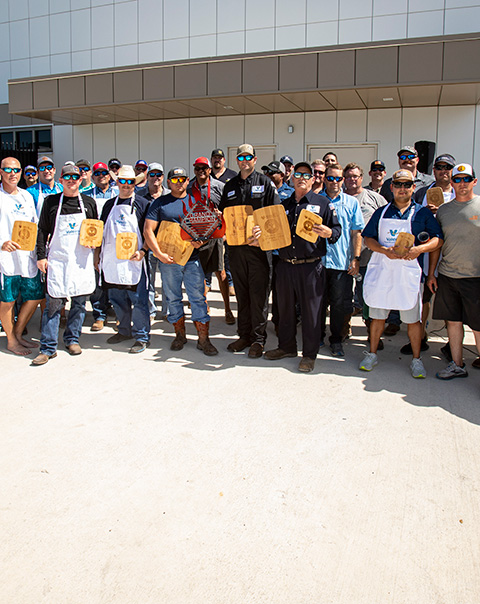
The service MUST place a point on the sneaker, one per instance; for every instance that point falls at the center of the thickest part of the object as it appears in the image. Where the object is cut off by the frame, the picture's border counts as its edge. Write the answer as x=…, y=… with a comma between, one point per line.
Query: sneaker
x=452, y=370
x=417, y=369
x=139, y=347
x=407, y=349
x=369, y=361
x=337, y=349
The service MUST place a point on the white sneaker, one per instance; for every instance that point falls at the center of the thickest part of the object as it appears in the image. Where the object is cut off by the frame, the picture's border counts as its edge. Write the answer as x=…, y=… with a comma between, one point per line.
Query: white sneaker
x=369, y=361
x=417, y=369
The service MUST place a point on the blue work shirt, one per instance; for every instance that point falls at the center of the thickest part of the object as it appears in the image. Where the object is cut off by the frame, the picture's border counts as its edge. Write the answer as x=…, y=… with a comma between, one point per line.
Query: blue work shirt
x=350, y=217
x=285, y=191
x=34, y=190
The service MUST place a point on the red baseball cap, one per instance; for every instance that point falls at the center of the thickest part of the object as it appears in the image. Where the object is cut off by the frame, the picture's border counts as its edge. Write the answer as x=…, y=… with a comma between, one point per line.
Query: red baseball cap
x=100, y=166
x=202, y=161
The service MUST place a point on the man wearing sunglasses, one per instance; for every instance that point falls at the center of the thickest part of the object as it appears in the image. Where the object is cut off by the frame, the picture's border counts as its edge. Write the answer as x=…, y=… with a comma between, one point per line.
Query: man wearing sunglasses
x=85, y=168
x=141, y=169
x=377, y=176
x=458, y=283
x=172, y=208
x=68, y=266
x=19, y=274
x=251, y=267
x=126, y=279
x=342, y=258
x=46, y=184
x=300, y=274
x=30, y=176
x=407, y=160
x=392, y=280
x=319, y=168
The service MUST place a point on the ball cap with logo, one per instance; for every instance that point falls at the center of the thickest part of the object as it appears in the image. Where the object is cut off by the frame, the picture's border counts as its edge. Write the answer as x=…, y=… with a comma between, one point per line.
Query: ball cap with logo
x=403, y=175
x=202, y=161
x=275, y=166
x=155, y=166
x=83, y=163
x=377, y=164
x=463, y=170
x=177, y=171
x=100, y=165
x=45, y=160
x=407, y=149
x=246, y=149
x=287, y=159
x=446, y=158
x=303, y=164
x=69, y=169
x=217, y=152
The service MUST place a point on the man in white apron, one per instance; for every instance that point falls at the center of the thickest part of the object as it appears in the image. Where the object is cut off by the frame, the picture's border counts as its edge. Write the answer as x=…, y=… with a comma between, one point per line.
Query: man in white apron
x=393, y=281
x=68, y=266
x=19, y=275
x=46, y=184
x=126, y=279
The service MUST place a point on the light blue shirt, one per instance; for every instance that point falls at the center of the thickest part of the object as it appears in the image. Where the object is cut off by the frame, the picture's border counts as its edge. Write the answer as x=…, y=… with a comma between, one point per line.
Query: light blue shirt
x=34, y=190
x=340, y=254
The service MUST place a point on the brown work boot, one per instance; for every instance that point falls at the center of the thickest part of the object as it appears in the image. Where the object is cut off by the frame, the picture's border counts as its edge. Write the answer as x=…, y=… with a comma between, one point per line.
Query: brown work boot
x=74, y=349
x=98, y=325
x=180, y=335
x=238, y=345
x=203, y=339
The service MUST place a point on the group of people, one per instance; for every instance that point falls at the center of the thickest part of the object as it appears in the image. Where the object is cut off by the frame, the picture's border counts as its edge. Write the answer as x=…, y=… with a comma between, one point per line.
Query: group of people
x=354, y=243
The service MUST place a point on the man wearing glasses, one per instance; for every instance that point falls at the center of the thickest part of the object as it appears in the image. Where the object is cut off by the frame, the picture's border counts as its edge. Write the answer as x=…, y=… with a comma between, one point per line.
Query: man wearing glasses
x=394, y=281
x=126, y=279
x=300, y=275
x=141, y=169
x=377, y=176
x=18, y=268
x=319, y=168
x=30, y=176
x=46, y=184
x=407, y=160
x=85, y=168
x=342, y=259
x=172, y=208
x=68, y=266
x=458, y=283
x=251, y=267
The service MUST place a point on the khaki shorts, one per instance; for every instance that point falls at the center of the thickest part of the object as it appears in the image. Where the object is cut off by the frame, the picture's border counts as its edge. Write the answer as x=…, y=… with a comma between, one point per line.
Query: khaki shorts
x=407, y=316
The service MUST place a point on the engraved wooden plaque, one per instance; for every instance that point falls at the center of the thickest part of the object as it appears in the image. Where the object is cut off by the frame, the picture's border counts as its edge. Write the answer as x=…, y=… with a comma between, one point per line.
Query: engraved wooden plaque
x=25, y=234
x=435, y=196
x=236, y=223
x=403, y=243
x=91, y=232
x=126, y=245
x=305, y=223
x=273, y=222
x=170, y=241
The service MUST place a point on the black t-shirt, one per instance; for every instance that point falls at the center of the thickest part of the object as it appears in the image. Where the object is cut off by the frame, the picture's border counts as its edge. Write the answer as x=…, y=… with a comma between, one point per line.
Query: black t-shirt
x=226, y=176
x=140, y=205
x=257, y=190
x=70, y=205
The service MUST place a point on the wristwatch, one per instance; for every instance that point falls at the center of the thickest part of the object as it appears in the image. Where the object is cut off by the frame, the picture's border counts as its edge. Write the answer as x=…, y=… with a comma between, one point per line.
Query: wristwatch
x=357, y=258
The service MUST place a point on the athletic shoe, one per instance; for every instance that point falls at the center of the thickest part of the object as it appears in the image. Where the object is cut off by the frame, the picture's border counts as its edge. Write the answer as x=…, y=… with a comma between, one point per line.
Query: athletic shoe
x=407, y=349
x=417, y=369
x=337, y=349
x=369, y=361
x=452, y=370
x=139, y=347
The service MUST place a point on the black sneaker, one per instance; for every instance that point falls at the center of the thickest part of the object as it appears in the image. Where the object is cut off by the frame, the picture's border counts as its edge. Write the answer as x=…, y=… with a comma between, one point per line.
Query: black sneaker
x=139, y=347
x=407, y=349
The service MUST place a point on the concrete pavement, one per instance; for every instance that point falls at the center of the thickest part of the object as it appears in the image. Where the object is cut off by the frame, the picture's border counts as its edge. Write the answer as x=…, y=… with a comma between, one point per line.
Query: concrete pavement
x=179, y=478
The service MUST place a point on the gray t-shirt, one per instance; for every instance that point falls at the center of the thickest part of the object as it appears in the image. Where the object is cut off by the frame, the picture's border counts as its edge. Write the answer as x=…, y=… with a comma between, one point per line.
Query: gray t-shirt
x=460, y=222
x=369, y=201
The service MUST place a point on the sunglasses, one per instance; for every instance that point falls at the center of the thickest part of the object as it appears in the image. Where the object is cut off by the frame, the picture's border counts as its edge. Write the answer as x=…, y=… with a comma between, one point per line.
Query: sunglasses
x=30, y=173
x=200, y=168
x=245, y=157
x=304, y=175
x=178, y=179
x=457, y=179
x=10, y=170
x=71, y=177
x=407, y=156
x=442, y=167
x=126, y=181
x=334, y=178
x=155, y=174
x=141, y=168
x=47, y=167
x=377, y=169
x=83, y=169
x=405, y=184
x=319, y=172
x=100, y=173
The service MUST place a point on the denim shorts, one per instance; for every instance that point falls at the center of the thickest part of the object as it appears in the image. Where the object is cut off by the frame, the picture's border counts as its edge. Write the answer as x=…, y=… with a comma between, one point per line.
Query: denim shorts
x=15, y=285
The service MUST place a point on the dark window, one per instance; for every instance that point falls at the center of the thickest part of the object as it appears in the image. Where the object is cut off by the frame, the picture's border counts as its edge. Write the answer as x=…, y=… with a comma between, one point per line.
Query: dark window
x=43, y=140
x=24, y=139
x=6, y=140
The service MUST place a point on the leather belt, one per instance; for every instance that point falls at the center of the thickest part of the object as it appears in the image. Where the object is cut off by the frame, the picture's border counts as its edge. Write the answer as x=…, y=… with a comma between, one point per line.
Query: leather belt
x=300, y=260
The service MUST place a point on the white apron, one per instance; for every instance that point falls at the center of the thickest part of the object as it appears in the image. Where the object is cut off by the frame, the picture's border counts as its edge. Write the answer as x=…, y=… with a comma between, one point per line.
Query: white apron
x=12, y=208
x=122, y=219
x=70, y=269
x=392, y=284
x=41, y=196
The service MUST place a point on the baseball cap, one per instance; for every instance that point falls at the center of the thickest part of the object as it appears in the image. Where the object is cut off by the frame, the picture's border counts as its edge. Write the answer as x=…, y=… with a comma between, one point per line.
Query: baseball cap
x=100, y=166
x=114, y=162
x=275, y=166
x=83, y=162
x=141, y=162
x=177, y=171
x=155, y=166
x=446, y=159
x=217, y=152
x=377, y=164
x=407, y=149
x=202, y=161
x=30, y=168
x=45, y=160
x=463, y=170
x=288, y=159
x=245, y=149
x=303, y=164
x=403, y=175
x=69, y=169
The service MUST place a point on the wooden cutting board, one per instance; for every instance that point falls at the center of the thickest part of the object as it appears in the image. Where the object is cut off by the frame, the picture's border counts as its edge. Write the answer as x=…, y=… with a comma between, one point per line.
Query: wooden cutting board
x=126, y=244
x=170, y=241
x=236, y=219
x=305, y=223
x=91, y=232
x=435, y=196
x=25, y=234
x=403, y=243
x=273, y=223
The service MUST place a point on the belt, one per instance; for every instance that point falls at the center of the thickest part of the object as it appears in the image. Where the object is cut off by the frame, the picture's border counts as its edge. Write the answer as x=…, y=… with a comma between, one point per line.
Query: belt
x=300, y=260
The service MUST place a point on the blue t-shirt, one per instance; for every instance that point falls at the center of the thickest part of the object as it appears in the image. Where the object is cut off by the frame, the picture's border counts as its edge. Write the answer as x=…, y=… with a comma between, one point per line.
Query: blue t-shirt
x=339, y=255
x=34, y=190
x=422, y=220
x=285, y=191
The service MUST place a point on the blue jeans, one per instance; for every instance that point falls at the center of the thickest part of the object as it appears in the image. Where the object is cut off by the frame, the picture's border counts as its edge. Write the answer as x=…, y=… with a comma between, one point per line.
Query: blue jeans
x=173, y=275
x=131, y=308
x=99, y=301
x=51, y=323
x=153, y=263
